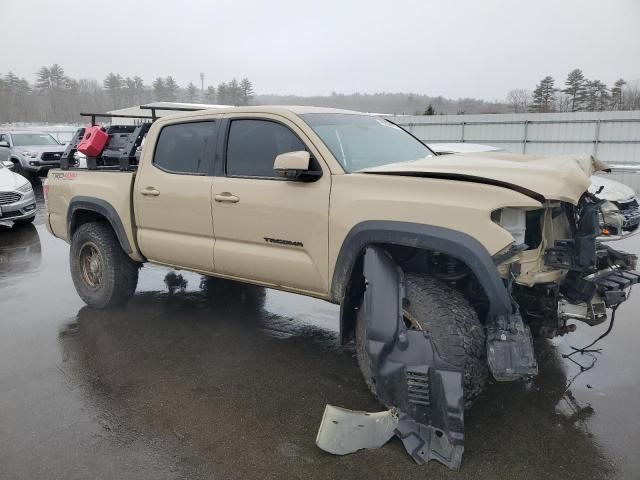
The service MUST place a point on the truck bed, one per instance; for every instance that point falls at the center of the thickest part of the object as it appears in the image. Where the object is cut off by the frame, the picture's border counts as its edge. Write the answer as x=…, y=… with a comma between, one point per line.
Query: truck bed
x=67, y=189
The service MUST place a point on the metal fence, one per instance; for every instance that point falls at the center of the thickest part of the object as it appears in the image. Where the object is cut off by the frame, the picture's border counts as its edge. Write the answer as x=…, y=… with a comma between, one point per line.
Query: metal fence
x=613, y=137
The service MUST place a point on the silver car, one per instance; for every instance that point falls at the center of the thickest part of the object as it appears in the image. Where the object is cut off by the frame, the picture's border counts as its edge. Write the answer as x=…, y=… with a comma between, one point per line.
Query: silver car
x=17, y=200
x=30, y=152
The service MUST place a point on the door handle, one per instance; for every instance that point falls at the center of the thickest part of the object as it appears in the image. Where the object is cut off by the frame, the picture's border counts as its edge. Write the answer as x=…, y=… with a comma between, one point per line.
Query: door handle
x=226, y=197
x=150, y=192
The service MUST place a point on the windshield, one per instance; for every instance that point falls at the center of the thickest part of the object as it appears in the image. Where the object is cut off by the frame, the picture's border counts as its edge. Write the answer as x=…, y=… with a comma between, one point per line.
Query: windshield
x=364, y=141
x=32, y=139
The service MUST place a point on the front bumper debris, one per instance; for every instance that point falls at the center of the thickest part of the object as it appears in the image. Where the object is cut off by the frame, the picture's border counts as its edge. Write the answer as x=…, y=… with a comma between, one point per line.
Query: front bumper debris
x=345, y=431
x=510, y=353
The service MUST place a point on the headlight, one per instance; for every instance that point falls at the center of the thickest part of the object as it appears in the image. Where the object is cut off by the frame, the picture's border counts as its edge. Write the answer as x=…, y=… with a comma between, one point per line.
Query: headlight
x=26, y=188
x=608, y=207
x=30, y=154
x=611, y=219
x=513, y=220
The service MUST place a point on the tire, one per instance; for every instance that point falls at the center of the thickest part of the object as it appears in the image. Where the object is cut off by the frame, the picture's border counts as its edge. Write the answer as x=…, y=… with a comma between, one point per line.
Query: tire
x=115, y=276
x=454, y=327
x=19, y=169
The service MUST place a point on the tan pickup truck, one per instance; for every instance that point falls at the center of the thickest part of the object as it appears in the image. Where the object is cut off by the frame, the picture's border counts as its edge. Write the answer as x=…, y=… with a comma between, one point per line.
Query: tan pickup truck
x=466, y=254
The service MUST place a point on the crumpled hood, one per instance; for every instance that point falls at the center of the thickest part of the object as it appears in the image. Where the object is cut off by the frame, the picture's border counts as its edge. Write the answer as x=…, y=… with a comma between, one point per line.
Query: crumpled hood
x=9, y=181
x=564, y=177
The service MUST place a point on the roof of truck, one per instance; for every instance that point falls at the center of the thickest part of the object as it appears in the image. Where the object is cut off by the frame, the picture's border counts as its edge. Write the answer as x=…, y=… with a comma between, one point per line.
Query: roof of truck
x=295, y=109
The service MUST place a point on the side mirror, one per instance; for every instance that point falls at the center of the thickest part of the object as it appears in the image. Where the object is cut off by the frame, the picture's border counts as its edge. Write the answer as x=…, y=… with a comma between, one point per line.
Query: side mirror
x=295, y=166
x=4, y=144
x=292, y=162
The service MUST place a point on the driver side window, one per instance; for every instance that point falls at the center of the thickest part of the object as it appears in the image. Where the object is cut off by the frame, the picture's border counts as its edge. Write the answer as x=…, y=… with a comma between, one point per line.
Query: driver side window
x=253, y=145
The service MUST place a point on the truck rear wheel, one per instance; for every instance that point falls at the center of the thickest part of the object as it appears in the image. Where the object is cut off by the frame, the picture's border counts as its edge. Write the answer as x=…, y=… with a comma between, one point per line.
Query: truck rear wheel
x=102, y=273
x=454, y=327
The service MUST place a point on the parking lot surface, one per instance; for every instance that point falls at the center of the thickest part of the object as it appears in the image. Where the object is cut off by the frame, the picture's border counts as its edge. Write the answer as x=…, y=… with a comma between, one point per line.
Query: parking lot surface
x=194, y=385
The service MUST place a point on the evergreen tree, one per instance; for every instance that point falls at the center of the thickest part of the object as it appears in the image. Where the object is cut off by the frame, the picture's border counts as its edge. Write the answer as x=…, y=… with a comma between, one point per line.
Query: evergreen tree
x=223, y=94
x=429, y=110
x=596, y=96
x=113, y=85
x=171, y=89
x=544, y=95
x=192, y=92
x=159, y=89
x=210, y=95
x=575, y=88
x=234, y=93
x=246, y=89
x=55, y=87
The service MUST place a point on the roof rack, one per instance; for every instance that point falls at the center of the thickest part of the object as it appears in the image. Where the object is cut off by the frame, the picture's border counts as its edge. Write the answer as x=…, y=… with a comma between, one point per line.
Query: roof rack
x=112, y=115
x=153, y=109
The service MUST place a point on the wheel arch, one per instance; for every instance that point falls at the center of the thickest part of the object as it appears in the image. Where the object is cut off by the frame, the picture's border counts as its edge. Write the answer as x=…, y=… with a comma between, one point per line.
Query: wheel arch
x=347, y=290
x=84, y=209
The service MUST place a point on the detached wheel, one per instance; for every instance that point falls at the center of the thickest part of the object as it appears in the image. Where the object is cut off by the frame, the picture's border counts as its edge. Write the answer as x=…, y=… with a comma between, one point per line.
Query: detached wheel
x=102, y=273
x=454, y=327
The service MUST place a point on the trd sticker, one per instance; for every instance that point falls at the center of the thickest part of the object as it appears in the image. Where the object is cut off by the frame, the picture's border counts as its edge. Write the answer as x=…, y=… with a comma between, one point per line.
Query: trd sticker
x=280, y=241
x=64, y=175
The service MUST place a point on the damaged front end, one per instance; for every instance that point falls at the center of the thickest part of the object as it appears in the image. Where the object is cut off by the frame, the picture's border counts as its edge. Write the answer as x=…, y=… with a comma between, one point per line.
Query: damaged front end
x=590, y=276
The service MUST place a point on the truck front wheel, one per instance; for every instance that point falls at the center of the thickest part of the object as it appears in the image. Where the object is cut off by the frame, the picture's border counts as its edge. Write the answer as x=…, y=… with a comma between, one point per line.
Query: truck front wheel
x=102, y=273
x=453, y=325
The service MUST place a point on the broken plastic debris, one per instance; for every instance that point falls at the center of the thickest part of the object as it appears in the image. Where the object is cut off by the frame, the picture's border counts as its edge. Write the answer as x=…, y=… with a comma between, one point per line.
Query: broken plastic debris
x=345, y=431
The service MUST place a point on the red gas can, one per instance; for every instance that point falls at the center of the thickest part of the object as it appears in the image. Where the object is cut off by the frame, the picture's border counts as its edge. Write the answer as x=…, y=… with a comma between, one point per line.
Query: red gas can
x=93, y=141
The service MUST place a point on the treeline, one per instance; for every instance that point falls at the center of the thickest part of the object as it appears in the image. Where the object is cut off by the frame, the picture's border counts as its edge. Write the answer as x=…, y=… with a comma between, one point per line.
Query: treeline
x=390, y=103
x=56, y=97
x=579, y=94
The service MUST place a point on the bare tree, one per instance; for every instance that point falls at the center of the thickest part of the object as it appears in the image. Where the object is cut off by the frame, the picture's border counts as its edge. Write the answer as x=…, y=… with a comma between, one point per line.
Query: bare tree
x=631, y=96
x=519, y=99
x=617, y=98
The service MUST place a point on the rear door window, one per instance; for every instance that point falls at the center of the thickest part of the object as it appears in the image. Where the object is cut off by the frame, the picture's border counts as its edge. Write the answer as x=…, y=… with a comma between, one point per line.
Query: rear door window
x=186, y=148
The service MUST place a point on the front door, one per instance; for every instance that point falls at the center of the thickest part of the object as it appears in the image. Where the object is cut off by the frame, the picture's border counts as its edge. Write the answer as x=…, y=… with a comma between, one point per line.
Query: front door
x=173, y=196
x=268, y=229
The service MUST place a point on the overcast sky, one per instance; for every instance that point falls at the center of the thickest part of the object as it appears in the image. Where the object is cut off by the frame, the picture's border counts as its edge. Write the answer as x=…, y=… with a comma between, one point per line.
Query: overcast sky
x=454, y=48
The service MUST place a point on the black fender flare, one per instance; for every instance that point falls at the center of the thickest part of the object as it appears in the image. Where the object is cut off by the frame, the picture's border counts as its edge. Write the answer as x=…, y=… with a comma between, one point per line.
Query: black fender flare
x=428, y=237
x=104, y=208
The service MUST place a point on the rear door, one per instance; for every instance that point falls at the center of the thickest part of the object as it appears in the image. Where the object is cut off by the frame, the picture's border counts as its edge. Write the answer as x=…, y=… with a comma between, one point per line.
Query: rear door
x=173, y=196
x=268, y=229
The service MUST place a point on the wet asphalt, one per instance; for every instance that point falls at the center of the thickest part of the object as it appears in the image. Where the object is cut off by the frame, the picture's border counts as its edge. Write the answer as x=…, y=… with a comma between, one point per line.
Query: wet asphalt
x=233, y=383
